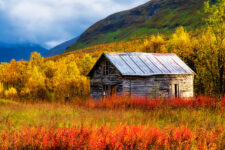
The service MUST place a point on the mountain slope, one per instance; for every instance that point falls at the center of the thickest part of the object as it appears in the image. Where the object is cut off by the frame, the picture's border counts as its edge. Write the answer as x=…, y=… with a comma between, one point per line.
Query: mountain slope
x=152, y=17
x=60, y=48
x=19, y=51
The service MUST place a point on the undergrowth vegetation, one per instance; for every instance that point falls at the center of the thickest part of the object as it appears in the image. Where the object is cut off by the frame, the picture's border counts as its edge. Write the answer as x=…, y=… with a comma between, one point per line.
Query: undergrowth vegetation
x=146, y=103
x=119, y=137
x=114, y=123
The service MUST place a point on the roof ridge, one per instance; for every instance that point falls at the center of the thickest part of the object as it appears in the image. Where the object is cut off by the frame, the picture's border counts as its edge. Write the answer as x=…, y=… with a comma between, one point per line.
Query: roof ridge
x=141, y=53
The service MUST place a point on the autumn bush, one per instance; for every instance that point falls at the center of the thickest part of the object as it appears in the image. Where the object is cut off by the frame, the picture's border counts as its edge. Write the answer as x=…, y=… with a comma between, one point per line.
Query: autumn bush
x=38, y=79
x=147, y=103
x=119, y=137
x=118, y=122
x=11, y=93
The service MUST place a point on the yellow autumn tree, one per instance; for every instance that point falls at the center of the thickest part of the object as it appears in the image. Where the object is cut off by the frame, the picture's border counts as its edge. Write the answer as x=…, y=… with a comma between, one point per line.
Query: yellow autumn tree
x=50, y=72
x=86, y=64
x=216, y=23
x=36, y=84
x=204, y=63
x=36, y=58
x=67, y=71
x=180, y=43
x=156, y=44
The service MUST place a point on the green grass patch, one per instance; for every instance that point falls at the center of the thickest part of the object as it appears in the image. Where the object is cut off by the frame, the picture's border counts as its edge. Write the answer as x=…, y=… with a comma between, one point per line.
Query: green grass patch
x=8, y=102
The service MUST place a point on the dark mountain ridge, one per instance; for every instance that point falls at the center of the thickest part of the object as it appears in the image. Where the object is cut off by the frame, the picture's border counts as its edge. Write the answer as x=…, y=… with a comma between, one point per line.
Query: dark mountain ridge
x=60, y=48
x=18, y=51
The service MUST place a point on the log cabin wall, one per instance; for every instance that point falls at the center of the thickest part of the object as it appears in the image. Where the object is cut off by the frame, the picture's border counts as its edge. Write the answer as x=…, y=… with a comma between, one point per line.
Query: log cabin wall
x=153, y=86
x=146, y=74
x=100, y=81
x=160, y=86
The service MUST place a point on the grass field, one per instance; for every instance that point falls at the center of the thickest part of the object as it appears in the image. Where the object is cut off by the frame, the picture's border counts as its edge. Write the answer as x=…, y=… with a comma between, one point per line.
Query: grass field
x=16, y=115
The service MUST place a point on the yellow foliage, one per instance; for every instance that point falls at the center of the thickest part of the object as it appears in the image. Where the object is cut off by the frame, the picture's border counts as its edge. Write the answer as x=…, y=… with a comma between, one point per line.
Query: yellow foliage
x=1, y=90
x=25, y=92
x=156, y=44
x=86, y=64
x=36, y=77
x=180, y=43
x=11, y=93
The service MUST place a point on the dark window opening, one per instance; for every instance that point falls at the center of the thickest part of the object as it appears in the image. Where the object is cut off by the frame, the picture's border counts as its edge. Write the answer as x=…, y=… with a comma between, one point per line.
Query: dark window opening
x=119, y=88
x=176, y=87
x=105, y=90
x=106, y=68
x=105, y=87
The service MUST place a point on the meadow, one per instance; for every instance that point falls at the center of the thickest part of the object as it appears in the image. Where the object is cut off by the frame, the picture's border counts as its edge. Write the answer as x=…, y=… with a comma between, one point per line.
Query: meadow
x=33, y=115
x=114, y=123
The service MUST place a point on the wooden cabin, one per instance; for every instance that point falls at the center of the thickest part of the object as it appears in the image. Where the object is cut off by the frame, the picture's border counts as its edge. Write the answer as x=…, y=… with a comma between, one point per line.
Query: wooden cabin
x=145, y=74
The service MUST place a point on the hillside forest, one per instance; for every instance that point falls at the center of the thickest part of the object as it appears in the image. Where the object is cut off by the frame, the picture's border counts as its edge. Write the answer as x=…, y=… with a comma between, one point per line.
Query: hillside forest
x=64, y=75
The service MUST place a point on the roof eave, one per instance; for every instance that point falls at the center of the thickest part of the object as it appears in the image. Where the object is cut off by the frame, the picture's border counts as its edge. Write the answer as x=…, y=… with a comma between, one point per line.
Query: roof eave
x=152, y=75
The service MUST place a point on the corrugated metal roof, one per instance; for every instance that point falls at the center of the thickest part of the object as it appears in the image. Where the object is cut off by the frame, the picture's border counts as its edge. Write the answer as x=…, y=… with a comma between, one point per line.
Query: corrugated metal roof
x=148, y=64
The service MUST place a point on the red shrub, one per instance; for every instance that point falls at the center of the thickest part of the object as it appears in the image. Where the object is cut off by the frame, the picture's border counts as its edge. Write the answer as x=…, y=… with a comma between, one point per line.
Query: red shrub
x=223, y=102
x=120, y=137
x=117, y=102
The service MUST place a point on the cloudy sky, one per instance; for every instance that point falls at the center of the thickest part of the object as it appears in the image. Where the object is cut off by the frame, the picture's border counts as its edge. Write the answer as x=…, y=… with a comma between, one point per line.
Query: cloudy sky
x=50, y=22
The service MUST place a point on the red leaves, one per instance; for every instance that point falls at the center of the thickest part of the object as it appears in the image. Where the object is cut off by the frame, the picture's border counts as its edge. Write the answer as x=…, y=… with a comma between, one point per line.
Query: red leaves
x=119, y=137
x=123, y=136
x=42, y=138
x=126, y=102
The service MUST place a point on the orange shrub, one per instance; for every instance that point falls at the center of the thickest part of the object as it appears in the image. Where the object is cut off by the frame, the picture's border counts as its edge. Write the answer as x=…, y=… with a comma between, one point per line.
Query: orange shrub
x=119, y=137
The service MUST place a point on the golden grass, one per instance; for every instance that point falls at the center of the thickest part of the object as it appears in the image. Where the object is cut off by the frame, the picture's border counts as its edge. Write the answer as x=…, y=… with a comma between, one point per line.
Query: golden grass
x=14, y=115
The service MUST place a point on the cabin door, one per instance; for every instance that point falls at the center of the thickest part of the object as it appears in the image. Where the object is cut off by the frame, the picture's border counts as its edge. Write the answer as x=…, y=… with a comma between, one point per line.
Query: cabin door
x=106, y=90
x=109, y=90
x=176, y=90
x=113, y=90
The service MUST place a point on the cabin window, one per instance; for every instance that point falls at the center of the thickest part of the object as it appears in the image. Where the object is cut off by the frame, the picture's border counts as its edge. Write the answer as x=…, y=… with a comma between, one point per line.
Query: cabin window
x=105, y=90
x=176, y=90
x=119, y=88
x=106, y=68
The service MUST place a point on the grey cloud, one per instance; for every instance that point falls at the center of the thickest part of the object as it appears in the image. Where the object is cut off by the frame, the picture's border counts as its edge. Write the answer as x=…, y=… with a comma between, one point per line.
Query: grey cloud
x=47, y=22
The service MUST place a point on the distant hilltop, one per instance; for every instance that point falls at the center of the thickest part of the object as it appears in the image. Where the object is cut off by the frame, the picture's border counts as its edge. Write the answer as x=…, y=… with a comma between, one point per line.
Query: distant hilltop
x=152, y=17
x=19, y=51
